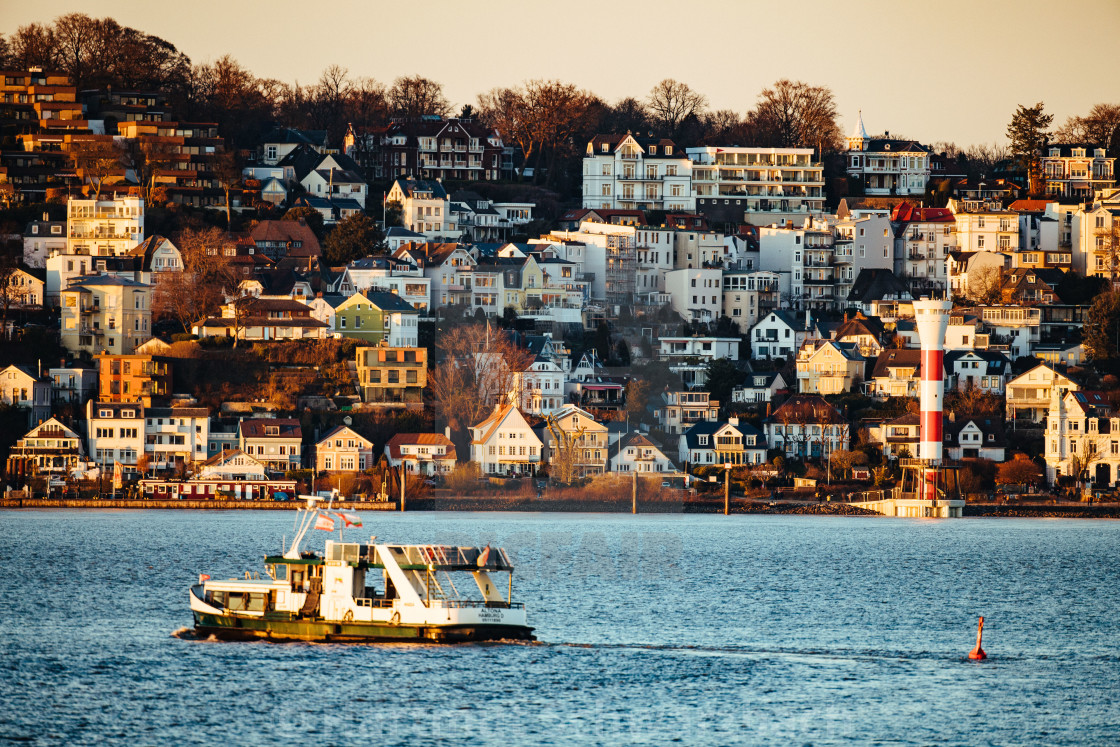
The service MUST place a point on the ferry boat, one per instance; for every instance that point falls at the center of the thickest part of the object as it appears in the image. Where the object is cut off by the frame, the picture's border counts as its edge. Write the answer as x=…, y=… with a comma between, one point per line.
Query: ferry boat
x=364, y=593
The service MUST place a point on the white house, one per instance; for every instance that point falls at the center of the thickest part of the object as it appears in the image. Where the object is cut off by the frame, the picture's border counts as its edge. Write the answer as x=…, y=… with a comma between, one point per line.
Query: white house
x=779, y=334
x=886, y=166
x=631, y=172
x=710, y=443
x=985, y=370
x=636, y=453
x=539, y=389
x=41, y=239
x=504, y=444
x=1029, y=393
x=175, y=436
x=425, y=208
x=115, y=433
x=682, y=410
x=760, y=387
x=232, y=465
x=22, y=388
x=696, y=294
x=421, y=453
x=807, y=426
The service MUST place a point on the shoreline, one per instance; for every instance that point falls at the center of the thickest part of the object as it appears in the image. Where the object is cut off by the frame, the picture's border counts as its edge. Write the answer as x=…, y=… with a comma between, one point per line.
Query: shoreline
x=621, y=506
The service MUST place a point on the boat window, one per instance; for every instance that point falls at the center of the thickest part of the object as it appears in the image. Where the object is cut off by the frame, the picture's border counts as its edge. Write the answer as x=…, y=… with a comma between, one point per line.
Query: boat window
x=277, y=572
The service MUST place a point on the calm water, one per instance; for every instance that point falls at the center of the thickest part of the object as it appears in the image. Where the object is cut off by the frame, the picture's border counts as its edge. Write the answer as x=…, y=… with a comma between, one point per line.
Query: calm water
x=653, y=629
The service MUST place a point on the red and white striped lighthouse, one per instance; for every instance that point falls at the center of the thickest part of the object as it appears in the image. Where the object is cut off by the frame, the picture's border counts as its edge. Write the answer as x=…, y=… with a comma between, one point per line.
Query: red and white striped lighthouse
x=932, y=319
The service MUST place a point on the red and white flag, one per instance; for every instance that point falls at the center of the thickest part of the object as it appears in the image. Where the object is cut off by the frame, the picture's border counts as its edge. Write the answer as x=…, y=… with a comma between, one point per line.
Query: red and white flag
x=348, y=519
x=325, y=523
x=203, y=578
x=118, y=476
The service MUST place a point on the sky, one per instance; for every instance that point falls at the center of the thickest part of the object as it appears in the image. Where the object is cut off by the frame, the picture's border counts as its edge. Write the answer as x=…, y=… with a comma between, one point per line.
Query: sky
x=945, y=71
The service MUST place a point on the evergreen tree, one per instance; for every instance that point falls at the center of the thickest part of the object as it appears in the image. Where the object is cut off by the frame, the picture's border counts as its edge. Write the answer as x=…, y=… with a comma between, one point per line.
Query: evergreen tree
x=353, y=238
x=1102, y=326
x=603, y=343
x=1029, y=133
x=723, y=376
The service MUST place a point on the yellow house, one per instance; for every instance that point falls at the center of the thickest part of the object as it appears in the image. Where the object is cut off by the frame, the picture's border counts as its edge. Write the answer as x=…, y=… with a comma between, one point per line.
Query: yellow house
x=830, y=369
x=573, y=437
x=105, y=313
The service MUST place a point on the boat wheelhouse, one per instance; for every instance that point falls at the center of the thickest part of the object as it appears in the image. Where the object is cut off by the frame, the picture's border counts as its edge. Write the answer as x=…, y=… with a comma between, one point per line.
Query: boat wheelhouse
x=357, y=592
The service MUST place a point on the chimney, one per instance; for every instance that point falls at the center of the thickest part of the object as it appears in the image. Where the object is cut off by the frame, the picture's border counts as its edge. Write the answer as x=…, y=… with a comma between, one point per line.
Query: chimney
x=733, y=420
x=447, y=432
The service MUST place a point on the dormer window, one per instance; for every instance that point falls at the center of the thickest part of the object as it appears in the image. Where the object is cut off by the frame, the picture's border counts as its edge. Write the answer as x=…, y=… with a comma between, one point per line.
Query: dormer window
x=668, y=150
x=272, y=430
x=1055, y=152
x=653, y=150
x=606, y=147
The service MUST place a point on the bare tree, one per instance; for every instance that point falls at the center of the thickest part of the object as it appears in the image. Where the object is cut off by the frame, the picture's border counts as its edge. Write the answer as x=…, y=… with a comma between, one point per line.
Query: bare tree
x=564, y=451
x=197, y=291
x=985, y=285
x=414, y=96
x=95, y=159
x=794, y=114
x=478, y=370
x=672, y=102
x=147, y=159
x=1097, y=128
x=227, y=168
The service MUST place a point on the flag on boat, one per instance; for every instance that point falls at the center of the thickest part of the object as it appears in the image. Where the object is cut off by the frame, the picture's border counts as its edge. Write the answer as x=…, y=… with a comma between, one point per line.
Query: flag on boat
x=118, y=476
x=348, y=519
x=484, y=557
x=325, y=523
x=203, y=578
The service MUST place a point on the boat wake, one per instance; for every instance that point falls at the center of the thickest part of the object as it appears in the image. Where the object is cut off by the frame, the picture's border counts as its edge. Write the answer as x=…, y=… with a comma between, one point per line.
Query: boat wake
x=857, y=655
x=190, y=634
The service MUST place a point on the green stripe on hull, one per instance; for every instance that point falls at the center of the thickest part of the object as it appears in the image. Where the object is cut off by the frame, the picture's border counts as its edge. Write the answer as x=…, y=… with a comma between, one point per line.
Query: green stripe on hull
x=249, y=628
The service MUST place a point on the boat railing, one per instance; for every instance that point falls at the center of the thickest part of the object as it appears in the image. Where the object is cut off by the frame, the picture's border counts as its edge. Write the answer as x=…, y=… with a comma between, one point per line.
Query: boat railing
x=453, y=603
x=371, y=602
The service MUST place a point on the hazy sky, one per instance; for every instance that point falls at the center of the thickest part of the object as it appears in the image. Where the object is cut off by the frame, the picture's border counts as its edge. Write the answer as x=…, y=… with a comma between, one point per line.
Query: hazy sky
x=948, y=70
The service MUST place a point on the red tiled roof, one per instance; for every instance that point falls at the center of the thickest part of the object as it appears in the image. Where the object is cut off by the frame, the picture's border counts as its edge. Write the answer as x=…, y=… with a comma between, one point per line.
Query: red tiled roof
x=419, y=439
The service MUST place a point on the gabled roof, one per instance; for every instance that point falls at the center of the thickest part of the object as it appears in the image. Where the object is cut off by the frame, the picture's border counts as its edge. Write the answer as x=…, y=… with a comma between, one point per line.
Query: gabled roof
x=860, y=325
x=49, y=428
x=614, y=141
x=256, y=428
x=997, y=362
x=952, y=428
x=347, y=431
x=876, y=285
x=897, y=358
x=876, y=145
x=711, y=427
x=905, y=212
x=496, y=419
x=390, y=302
x=410, y=186
x=807, y=408
x=148, y=247
x=419, y=439
x=1029, y=206
x=273, y=231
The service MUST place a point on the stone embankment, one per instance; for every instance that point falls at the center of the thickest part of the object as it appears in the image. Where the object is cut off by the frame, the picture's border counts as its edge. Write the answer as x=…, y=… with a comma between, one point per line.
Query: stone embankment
x=183, y=504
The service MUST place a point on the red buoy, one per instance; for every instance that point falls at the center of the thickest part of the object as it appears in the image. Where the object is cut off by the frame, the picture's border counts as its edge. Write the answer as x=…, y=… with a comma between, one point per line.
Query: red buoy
x=978, y=653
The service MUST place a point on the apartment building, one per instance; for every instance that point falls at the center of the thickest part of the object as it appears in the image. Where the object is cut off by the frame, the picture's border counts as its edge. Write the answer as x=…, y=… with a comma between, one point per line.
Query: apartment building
x=748, y=296
x=682, y=410
x=886, y=166
x=103, y=313
x=425, y=208
x=277, y=443
x=1076, y=170
x=133, y=378
x=759, y=186
x=923, y=239
x=697, y=294
x=175, y=437
x=430, y=147
x=985, y=227
x=392, y=376
x=638, y=173
x=115, y=434
x=105, y=227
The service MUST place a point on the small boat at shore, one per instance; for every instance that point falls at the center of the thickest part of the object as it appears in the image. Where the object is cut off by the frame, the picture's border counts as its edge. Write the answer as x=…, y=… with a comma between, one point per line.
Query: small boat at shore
x=358, y=593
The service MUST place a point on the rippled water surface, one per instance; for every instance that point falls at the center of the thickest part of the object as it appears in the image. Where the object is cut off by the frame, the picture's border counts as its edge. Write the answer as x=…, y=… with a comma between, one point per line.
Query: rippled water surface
x=653, y=629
